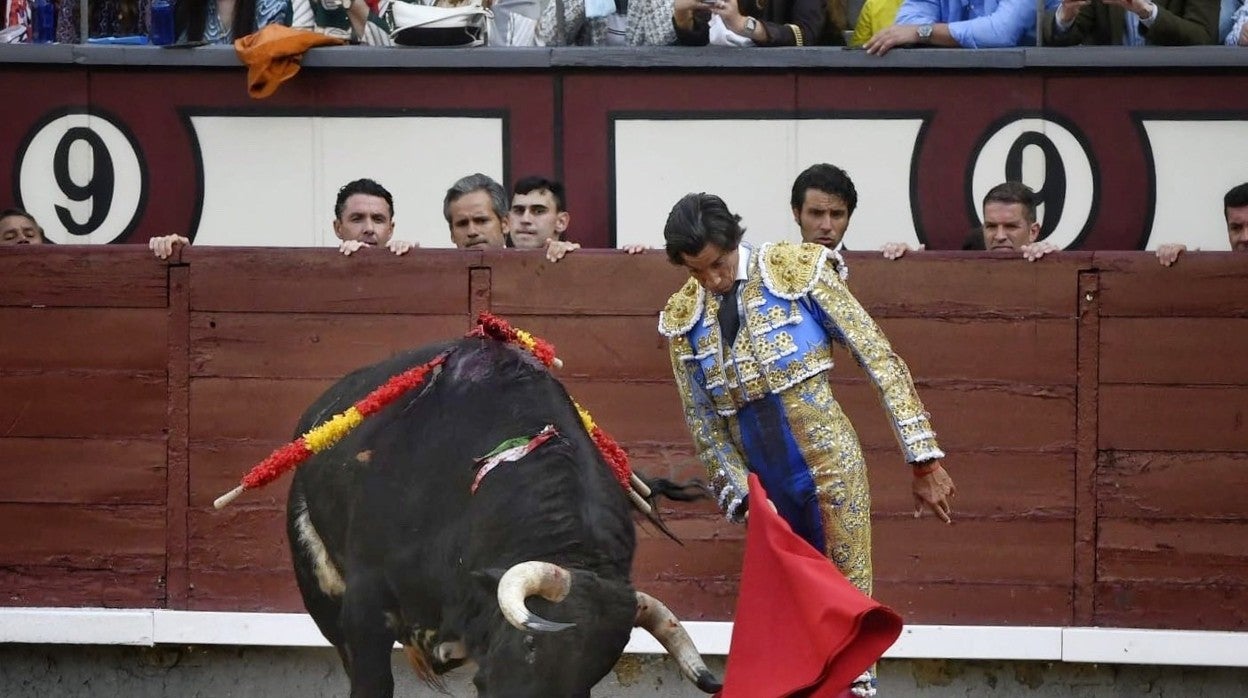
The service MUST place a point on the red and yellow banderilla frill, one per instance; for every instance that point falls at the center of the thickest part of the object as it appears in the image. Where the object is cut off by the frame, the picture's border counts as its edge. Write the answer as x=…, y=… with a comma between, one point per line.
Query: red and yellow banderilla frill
x=325, y=435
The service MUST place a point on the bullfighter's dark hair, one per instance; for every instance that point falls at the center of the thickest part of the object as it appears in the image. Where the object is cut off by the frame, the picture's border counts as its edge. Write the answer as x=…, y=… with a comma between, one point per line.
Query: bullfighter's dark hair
x=1014, y=193
x=361, y=186
x=828, y=179
x=698, y=220
x=532, y=183
x=1235, y=198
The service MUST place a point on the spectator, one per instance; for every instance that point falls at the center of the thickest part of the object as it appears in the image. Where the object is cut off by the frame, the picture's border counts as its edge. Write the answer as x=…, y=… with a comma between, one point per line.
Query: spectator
x=363, y=218
x=755, y=23
x=1010, y=221
x=1238, y=33
x=1235, y=208
x=217, y=22
x=1132, y=23
x=357, y=24
x=476, y=211
x=607, y=23
x=538, y=219
x=823, y=199
x=960, y=24
x=19, y=228
x=784, y=423
x=874, y=16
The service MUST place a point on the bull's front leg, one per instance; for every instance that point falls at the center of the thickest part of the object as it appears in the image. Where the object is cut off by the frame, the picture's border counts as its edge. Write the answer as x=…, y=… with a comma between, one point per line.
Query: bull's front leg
x=368, y=641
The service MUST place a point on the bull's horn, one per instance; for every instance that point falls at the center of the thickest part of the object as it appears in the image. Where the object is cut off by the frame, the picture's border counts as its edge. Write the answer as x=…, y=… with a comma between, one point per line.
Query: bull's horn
x=531, y=578
x=660, y=622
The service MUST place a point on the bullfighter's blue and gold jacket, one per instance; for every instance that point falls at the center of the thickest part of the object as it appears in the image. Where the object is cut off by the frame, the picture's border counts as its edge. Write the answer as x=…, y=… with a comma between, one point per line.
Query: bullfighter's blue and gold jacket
x=765, y=404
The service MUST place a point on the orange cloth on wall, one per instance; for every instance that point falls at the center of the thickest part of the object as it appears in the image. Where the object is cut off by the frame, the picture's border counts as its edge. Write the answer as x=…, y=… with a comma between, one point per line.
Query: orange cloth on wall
x=801, y=629
x=273, y=54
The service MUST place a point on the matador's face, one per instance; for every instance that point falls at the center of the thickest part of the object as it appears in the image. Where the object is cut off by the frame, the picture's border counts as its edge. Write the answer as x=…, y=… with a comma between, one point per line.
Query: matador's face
x=714, y=267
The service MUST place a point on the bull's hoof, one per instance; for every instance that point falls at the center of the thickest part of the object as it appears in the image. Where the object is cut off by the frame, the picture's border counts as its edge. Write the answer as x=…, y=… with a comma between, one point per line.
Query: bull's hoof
x=708, y=683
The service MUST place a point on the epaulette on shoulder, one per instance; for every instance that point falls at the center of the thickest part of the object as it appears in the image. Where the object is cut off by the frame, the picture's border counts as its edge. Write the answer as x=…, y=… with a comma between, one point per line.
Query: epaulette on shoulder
x=791, y=269
x=683, y=309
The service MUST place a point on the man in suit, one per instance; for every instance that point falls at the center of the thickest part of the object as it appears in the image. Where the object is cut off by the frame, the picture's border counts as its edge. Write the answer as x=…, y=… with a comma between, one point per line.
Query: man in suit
x=1132, y=23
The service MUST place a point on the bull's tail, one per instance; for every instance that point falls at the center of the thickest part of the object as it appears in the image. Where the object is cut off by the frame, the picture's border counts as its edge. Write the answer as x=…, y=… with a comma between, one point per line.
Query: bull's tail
x=651, y=489
x=431, y=657
x=422, y=664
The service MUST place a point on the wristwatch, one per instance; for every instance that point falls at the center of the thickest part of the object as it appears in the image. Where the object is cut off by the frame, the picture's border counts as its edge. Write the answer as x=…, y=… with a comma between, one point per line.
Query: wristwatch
x=925, y=33
x=750, y=25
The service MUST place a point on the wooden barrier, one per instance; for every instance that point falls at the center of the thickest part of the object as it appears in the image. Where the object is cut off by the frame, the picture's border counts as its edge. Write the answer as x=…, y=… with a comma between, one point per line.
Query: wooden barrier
x=1092, y=406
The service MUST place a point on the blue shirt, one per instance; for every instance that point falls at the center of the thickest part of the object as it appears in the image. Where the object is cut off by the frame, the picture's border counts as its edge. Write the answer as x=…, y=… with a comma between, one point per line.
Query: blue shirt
x=978, y=23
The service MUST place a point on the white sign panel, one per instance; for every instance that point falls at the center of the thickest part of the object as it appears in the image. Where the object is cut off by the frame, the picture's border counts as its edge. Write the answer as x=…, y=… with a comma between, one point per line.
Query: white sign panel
x=273, y=180
x=751, y=164
x=1195, y=163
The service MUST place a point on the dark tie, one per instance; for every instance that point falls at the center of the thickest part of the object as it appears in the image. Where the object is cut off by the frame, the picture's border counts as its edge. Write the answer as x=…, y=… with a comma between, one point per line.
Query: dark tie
x=729, y=319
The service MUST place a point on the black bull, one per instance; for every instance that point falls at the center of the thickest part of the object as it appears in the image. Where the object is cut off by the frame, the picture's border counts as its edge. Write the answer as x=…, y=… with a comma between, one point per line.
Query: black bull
x=389, y=544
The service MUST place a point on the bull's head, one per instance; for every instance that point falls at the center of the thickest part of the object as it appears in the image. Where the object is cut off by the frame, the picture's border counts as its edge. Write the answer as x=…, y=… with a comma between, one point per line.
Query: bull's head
x=554, y=583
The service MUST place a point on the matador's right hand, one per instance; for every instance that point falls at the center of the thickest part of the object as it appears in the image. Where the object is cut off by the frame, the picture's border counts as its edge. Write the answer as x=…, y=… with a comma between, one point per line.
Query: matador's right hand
x=933, y=490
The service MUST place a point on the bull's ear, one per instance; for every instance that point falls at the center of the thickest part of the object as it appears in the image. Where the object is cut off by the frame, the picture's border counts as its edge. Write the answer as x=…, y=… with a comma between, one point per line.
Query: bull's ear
x=488, y=578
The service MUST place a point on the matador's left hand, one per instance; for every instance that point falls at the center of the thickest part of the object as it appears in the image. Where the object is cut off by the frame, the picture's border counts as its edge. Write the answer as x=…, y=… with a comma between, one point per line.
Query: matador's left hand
x=933, y=491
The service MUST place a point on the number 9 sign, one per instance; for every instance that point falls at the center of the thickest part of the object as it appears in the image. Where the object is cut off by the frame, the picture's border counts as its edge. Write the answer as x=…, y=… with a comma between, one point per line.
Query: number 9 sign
x=1053, y=160
x=81, y=176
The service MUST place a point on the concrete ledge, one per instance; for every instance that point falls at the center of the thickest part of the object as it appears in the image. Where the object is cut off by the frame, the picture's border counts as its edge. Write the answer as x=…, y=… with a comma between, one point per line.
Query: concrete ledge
x=150, y=627
x=1185, y=647
x=77, y=626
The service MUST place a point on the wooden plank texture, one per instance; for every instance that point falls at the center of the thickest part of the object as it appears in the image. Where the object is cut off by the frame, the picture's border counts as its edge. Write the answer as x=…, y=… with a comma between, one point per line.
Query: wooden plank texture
x=247, y=408
x=1177, y=486
x=1178, y=606
x=66, y=276
x=281, y=345
x=51, y=339
x=1034, y=352
x=217, y=466
x=135, y=583
x=81, y=536
x=176, y=458
x=1191, y=552
x=1201, y=284
x=949, y=284
x=237, y=538
x=968, y=602
x=1167, y=350
x=82, y=471
x=587, y=282
x=83, y=404
x=324, y=281
x=258, y=591
x=1087, y=426
x=1156, y=418
x=992, y=552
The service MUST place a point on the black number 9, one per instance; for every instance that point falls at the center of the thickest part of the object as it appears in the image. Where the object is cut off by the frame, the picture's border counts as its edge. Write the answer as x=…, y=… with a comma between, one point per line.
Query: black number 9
x=1052, y=192
x=98, y=189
